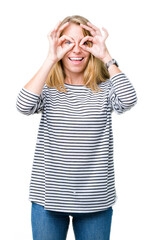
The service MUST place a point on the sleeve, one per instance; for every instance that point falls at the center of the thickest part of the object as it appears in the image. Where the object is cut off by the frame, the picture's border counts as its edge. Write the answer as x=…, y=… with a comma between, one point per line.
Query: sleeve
x=29, y=103
x=122, y=95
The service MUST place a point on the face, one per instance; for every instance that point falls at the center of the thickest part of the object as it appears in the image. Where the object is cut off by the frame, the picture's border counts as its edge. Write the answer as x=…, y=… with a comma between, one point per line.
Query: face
x=73, y=65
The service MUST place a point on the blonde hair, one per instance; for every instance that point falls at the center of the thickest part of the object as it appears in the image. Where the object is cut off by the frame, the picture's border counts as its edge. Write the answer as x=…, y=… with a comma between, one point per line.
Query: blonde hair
x=94, y=73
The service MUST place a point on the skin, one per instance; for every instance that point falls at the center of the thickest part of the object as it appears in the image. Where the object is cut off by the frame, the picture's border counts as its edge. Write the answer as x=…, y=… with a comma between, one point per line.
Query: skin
x=74, y=72
x=71, y=45
x=62, y=47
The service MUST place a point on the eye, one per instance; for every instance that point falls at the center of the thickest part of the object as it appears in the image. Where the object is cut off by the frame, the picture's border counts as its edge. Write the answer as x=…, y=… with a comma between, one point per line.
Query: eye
x=67, y=42
x=85, y=43
x=89, y=43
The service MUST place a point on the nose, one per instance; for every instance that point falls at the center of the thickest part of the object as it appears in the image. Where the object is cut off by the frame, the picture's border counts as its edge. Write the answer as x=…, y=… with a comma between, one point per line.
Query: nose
x=76, y=48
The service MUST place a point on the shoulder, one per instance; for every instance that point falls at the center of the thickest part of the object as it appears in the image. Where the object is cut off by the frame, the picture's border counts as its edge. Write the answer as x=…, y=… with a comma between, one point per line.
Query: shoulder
x=45, y=89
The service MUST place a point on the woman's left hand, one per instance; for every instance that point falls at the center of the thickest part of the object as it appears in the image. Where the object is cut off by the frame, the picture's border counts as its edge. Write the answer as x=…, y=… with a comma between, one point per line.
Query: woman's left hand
x=98, y=48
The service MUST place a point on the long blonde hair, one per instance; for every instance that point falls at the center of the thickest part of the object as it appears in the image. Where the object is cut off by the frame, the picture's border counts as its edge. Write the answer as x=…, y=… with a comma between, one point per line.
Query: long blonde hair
x=94, y=73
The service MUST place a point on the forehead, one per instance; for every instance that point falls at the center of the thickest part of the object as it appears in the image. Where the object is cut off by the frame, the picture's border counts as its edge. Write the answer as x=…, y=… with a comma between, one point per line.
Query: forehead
x=73, y=30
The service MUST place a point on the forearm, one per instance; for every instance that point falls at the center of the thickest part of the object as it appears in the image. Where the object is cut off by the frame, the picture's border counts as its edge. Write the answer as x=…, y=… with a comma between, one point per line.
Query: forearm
x=122, y=94
x=113, y=69
x=36, y=84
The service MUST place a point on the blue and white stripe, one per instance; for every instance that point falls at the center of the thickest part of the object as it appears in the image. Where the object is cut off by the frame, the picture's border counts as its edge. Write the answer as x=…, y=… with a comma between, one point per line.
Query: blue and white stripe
x=73, y=166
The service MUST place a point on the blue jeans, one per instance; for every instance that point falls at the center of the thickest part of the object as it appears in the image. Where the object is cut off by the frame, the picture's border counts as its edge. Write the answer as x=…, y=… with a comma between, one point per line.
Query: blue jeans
x=53, y=225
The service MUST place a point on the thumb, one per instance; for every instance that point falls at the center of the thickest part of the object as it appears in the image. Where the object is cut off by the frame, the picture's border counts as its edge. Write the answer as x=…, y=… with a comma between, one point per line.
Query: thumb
x=68, y=48
x=87, y=49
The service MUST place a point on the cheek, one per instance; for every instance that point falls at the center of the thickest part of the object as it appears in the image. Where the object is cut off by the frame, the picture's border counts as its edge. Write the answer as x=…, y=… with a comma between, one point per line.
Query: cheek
x=87, y=56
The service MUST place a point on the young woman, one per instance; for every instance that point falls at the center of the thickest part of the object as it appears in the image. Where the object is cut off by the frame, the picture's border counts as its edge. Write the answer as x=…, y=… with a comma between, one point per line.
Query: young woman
x=76, y=89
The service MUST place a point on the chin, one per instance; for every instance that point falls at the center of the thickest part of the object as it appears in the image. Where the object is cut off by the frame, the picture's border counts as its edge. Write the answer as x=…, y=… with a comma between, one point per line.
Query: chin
x=74, y=66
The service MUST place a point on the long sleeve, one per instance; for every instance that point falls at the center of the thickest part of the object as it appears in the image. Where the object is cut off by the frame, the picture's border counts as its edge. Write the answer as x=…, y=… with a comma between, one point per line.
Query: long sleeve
x=122, y=95
x=29, y=103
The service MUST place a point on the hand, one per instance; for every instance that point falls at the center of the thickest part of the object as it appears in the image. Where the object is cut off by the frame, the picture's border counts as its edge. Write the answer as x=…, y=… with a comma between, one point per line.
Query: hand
x=56, y=49
x=98, y=48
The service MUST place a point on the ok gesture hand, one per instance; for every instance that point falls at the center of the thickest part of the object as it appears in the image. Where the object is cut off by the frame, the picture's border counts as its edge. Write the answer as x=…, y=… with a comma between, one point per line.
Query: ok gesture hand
x=56, y=48
x=98, y=48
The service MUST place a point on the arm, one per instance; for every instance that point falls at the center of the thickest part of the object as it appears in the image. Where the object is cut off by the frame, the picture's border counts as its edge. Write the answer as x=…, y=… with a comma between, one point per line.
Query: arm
x=36, y=84
x=31, y=98
x=55, y=53
x=113, y=69
x=122, y=95
x=29, y=102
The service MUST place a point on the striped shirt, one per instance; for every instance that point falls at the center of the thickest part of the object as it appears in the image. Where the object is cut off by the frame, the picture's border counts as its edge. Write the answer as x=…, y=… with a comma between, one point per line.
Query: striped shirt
x=73, y=167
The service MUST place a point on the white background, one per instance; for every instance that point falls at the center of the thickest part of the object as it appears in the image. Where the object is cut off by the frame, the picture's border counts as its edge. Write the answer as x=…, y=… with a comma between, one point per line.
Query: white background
x=23, y=49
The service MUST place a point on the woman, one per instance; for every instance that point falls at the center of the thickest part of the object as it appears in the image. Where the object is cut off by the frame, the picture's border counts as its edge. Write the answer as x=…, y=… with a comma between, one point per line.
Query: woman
x=76, y=90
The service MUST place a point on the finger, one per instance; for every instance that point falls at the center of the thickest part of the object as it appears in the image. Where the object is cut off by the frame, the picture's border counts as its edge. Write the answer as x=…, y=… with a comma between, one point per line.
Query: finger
x=64, y=37
x=92, y=31
x=51, y=34
x=62, y=28
x=87, y=38
x=93, y=26
x=48, y=35
x=85, y=48
x=98, y=32
x=105, y=32
x=57, y=25
x=55, y=29
x=68, y=48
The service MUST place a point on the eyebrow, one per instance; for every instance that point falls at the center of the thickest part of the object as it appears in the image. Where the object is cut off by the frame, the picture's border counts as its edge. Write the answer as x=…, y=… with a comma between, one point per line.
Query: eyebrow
x=73, y=38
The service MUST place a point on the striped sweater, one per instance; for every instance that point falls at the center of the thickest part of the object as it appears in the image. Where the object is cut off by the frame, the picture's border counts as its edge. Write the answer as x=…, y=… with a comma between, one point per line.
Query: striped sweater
x=73, y=165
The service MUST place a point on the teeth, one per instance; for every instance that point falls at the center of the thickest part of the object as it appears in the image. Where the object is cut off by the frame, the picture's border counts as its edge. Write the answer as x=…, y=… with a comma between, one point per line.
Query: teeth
x=76, y=58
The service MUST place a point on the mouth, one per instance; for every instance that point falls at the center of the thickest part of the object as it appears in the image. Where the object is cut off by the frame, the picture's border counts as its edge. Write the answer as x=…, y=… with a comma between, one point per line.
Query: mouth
x=76, y=60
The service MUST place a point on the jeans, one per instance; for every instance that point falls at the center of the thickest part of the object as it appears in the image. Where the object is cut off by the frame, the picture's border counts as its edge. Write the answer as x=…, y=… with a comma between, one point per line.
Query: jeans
x=53, y=225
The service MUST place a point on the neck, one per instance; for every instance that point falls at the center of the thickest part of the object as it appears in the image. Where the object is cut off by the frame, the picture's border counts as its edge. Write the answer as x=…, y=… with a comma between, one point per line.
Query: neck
x=74, y=78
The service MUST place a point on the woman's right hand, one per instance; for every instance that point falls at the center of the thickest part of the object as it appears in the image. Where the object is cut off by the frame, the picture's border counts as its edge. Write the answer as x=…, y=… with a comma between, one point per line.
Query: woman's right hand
x=57, y=50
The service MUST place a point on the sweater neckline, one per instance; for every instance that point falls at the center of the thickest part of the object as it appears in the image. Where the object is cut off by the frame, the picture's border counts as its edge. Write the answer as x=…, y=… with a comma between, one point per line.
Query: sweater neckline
x=75, y=86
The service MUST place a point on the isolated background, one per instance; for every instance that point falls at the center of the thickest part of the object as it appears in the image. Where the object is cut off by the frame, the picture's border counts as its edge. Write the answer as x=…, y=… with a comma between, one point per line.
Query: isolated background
x=24, y=26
